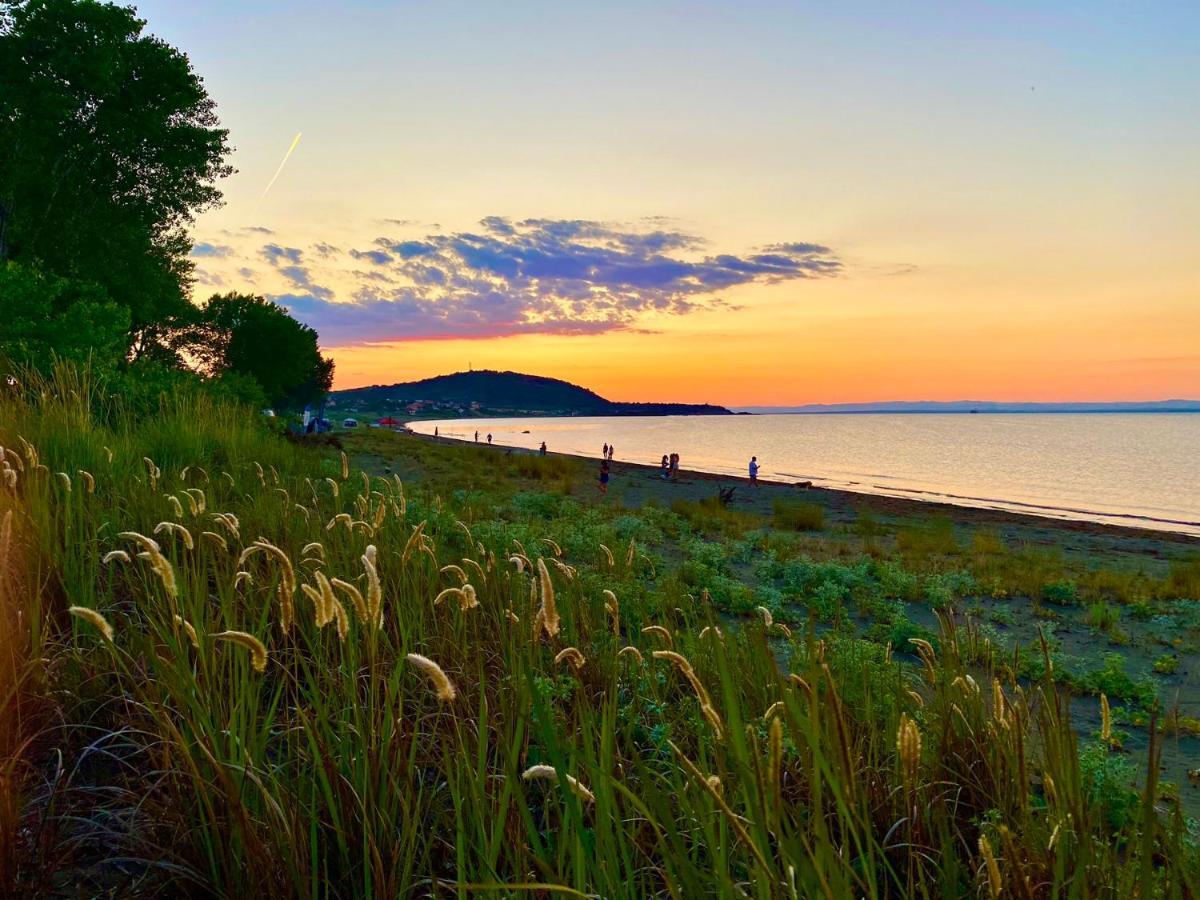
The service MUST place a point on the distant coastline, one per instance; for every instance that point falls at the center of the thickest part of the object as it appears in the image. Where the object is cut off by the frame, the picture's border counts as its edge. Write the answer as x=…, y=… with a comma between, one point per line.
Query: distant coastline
x=976, y=406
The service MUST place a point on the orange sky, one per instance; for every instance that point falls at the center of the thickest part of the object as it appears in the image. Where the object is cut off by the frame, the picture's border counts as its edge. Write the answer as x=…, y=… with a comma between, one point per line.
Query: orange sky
x=1005, y=200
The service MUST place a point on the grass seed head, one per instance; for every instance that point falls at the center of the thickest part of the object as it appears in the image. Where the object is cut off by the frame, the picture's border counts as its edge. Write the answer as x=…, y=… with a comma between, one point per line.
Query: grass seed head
x=183, y=623
x=549, y=611
x=94, y=619
x=442, y=685
x=993, y=869
x=570, y=655
x=661, y=632
x=550, y=773
x=258, y=651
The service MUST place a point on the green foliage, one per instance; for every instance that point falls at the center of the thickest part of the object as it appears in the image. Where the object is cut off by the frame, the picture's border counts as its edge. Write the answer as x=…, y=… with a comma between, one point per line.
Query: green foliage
x=793, y=516
x=1112, y=679
x=927, y=537
x=1102, y=617
x=1167, y=664
x=1108, y=781
x=110, y=146
x=338, y=766
x=44, y=316
x=253, y=338
x=1061, y=593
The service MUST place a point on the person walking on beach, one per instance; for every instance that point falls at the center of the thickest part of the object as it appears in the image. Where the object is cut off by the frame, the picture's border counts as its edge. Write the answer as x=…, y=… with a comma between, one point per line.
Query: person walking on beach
x=611, y=450
x=604, y=476
x=489, y=438
x=666, y=467
x=754, y=471
x=542, y=449
x=477, y=436
x=604, y=452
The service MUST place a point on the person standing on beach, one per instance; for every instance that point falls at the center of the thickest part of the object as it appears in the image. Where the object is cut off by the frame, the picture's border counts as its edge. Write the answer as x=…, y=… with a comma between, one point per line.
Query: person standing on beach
x=604, y=473
x=674, y=466
x=604, y=452
x=489, y=438
x=754, y=471
x=477, y=437
x=542, y=449
x=435, y=431
x=666, y=467
x=611, y=450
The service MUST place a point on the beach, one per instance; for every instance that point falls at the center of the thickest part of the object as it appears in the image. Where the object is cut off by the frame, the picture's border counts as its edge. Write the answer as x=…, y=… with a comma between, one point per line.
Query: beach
x=633, y=484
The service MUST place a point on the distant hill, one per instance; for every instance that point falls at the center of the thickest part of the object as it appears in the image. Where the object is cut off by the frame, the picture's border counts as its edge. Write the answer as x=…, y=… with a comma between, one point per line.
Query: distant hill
x=487, y=392
x=981, y=406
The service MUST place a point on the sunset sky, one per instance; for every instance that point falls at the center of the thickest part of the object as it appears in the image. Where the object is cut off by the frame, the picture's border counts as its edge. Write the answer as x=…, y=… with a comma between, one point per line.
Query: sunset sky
x=742, y=203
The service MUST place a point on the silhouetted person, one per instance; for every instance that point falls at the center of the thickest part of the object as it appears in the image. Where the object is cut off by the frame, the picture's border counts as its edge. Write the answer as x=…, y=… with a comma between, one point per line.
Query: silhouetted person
x=477, y=437
x=489, y=437
x=542, y=449
x=604, y=452
x=754, y=471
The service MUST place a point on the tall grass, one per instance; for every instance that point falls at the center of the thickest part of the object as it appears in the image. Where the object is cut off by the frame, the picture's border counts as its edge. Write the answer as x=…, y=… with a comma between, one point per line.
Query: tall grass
x=425, y=748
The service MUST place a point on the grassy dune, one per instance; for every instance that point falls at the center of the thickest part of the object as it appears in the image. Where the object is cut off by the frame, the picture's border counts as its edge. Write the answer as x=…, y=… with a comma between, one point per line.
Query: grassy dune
x=426, y=670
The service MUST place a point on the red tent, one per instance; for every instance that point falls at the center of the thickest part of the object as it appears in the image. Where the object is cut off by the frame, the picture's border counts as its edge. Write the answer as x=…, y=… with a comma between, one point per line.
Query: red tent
x=389, y=422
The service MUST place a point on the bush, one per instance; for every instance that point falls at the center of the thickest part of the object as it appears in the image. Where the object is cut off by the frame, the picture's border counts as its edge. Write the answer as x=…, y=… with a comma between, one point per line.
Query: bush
x=799, y=516
x=1102, y=617
x=1062, y=593
x=1167, y=664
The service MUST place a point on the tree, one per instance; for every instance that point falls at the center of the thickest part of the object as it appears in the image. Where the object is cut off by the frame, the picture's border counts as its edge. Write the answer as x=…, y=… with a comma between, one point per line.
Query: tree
x=253, y=337
x=45, y=316
x=109, y=146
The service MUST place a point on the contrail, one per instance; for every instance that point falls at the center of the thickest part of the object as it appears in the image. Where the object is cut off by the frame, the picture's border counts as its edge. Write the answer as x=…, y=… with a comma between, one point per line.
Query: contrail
x=282, y=163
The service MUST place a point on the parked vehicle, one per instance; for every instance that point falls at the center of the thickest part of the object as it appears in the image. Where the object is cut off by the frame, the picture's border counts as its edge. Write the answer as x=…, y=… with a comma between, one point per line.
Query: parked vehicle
x=349, y=423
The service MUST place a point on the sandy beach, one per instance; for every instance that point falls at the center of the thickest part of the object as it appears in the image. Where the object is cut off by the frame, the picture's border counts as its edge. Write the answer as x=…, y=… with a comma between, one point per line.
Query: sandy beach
x=633, y=484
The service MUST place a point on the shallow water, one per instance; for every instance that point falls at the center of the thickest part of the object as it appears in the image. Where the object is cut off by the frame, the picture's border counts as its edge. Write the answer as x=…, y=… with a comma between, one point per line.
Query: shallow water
x=1133, y=469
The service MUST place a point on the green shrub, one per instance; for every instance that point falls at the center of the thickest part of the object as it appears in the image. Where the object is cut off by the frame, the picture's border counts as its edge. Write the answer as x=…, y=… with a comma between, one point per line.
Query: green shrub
x=1061, y=593
x=1102, y=617
x=1167, y=664
x=793, y=516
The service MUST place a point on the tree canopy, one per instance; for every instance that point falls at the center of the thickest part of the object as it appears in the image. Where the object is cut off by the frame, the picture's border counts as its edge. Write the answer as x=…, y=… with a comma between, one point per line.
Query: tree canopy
x=251, y=336
x=109, y=146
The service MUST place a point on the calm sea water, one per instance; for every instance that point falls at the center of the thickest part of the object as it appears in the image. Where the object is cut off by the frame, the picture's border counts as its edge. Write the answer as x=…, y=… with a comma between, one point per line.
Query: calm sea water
x=1134, y=469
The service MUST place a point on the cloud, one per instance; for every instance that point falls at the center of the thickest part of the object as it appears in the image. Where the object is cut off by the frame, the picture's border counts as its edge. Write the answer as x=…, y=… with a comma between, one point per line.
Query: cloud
x=273, y=253
x=298, y=275
x=555, y=276
x=379, y=257
x=204, y=249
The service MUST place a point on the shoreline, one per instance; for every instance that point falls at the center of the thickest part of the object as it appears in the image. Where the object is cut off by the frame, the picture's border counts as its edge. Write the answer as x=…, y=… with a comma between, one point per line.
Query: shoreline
x=641, y=482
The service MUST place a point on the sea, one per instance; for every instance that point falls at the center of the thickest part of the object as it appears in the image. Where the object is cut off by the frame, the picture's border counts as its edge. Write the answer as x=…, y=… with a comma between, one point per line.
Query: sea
x=1138, y=469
